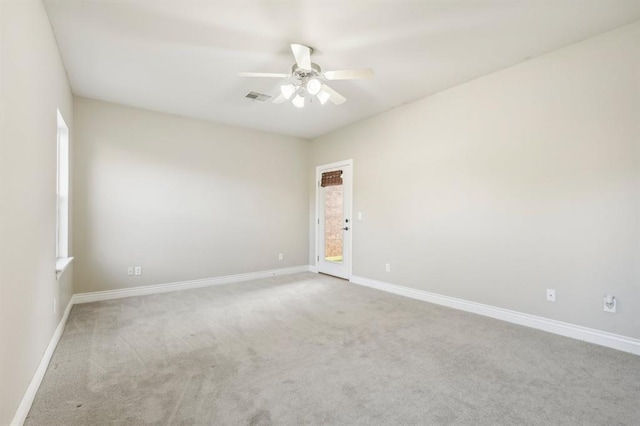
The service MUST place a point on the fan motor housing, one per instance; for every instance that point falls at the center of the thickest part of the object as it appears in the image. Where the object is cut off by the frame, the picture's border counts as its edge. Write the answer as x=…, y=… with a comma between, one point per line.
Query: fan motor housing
x=301, y=74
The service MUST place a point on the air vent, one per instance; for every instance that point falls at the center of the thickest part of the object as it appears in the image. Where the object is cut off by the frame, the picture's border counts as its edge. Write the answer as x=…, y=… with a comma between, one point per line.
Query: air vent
x=257, y=96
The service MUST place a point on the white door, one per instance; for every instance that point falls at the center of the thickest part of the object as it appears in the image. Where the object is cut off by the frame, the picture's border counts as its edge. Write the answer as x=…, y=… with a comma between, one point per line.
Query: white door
x=334, y=227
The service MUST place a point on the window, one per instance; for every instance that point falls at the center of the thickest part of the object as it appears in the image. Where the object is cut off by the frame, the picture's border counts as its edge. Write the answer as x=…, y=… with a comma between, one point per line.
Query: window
x=62, y=198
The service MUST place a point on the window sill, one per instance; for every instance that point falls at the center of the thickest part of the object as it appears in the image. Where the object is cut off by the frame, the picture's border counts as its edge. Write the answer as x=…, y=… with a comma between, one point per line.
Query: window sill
x=62, y=263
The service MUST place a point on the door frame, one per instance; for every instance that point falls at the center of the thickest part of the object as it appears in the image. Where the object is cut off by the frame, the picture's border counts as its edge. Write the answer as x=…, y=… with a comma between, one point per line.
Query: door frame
x=349, y=246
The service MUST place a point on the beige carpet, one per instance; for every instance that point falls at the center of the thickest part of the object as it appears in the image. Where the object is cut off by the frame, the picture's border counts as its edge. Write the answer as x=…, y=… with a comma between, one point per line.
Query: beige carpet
x=309, y=349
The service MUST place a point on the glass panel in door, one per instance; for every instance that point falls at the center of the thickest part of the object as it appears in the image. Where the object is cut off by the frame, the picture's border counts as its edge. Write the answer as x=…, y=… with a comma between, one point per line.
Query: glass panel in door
x=333, y=217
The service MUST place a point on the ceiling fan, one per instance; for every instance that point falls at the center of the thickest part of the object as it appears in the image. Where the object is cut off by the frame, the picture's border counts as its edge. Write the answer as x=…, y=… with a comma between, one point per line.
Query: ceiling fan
x=309, y=79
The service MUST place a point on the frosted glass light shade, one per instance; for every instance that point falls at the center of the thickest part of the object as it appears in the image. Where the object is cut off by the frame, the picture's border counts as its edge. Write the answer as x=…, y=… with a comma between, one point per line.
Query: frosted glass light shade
x=298, y=101
x=287, y=90
x=314, y=86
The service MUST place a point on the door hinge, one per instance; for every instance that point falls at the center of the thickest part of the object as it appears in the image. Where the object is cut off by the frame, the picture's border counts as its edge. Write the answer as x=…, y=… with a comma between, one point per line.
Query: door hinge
x=318, y=184
x=318, y=221
x=318, y=258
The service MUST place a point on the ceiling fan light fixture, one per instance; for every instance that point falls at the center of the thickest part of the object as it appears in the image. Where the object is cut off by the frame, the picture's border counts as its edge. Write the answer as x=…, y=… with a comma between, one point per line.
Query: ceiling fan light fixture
x=298, y=101
x=323, y=97
x=314, y=86
x=287, y=90
x=307, y=80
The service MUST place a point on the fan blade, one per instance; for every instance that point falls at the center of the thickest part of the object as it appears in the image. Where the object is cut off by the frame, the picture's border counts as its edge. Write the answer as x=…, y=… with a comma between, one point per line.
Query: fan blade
x=280, y=99
x=366, y=73
x=302, y=55
x=334, y=96
x=264, y=74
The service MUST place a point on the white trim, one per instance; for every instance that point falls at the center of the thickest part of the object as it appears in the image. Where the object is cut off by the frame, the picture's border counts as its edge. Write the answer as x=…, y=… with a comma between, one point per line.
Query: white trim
x=30, y=394
x=313, y=268
x=182, y=285
x=603, y=338
x=319, y=170
x=62, y=188
x=62, y=263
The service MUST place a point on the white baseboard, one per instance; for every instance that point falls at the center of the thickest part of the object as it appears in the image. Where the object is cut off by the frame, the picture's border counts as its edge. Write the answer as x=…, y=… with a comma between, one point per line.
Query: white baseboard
x=182, y=285
x=603, y=338
x=29, y=395
x=313, y=268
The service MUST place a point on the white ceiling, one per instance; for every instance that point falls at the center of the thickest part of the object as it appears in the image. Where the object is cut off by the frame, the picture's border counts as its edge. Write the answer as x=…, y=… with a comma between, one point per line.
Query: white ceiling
x=183, y=56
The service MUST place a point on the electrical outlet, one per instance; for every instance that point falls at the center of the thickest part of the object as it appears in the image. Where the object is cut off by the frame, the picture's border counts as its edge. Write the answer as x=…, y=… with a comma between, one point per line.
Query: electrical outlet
x=610, y=304
x=281, y=256
x=130, y=270
x=359, y=215
x=551, y=295
x=138, y=270
x=387, y=267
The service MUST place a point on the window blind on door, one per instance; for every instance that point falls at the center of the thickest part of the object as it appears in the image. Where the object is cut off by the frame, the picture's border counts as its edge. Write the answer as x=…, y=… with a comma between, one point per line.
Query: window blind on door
x=331, y=178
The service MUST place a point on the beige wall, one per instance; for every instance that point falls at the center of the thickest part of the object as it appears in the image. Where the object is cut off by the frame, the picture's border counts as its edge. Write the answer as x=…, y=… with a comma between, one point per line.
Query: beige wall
x=183, y=198
x=33, y=84
x=519, y=181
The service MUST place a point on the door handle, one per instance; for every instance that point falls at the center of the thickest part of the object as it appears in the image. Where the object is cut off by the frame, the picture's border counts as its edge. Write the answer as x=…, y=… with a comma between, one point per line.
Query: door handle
x=346, y=228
